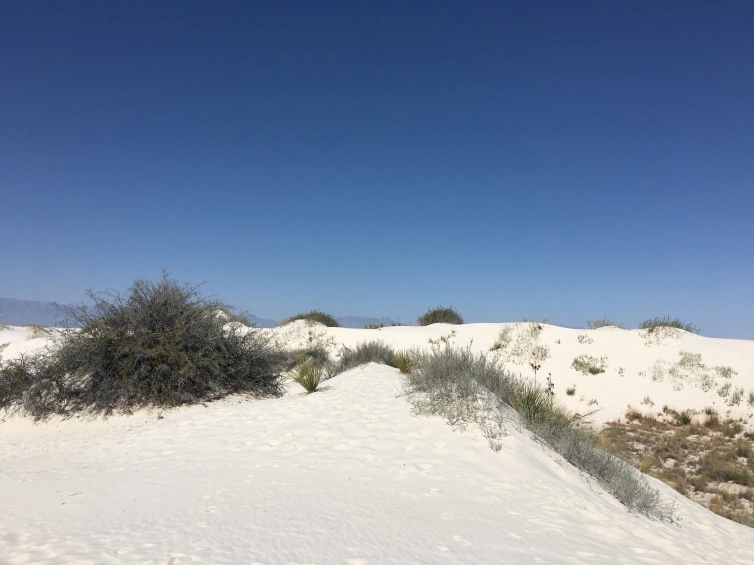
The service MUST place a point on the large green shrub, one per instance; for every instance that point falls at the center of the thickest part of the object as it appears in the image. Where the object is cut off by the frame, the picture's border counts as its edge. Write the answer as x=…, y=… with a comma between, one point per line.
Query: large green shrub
x=313, y=316
x=440, y=315
x=160, y=344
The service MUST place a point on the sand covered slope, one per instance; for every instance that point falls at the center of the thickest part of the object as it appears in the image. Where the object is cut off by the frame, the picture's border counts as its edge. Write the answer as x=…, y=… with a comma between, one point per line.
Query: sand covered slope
x=349, y=475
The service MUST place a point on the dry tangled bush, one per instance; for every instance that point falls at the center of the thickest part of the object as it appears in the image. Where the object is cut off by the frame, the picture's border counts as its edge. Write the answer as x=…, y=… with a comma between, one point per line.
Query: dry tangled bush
x=159, y=344
x=440, y=315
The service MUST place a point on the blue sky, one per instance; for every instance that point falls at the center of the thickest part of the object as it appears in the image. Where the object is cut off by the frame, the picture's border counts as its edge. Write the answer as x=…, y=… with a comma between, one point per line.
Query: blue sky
x=566, y=160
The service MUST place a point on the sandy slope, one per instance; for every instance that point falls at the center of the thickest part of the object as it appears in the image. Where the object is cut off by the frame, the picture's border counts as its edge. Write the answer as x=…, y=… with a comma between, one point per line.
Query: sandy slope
x=347, y=475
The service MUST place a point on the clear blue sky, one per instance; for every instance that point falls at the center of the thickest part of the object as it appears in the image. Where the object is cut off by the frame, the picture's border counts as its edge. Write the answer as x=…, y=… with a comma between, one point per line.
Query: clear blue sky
x=563, y=159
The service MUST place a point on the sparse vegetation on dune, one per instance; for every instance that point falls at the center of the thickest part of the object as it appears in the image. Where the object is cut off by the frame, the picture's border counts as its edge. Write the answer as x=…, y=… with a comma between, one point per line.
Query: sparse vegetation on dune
x=308, y=374
x=160, y=344
x=465, y=387
x=603, y=323
x=440, y=315
x=707, y=459
x=651, y=324
x=367, y=352
x=589, y=365
x=313, y=316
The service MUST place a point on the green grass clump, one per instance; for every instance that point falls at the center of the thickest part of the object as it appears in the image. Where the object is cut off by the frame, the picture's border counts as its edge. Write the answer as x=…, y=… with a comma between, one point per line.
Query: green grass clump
x=405, y=361
x=367, y=352
x=308, y=375
x=160, y=344
x=589, y=365
x=571, y=390
x=651, y=324
x=440, y=315
x=313, y=316
x=603, y=323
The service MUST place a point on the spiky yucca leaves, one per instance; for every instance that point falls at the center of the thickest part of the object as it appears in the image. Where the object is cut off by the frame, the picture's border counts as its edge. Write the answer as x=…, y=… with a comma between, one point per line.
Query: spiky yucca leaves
x=405, y=361
x=308, y=375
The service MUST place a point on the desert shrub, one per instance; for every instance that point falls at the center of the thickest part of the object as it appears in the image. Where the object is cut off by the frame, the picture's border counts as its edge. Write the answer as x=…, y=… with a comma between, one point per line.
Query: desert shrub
x=4, y=327
x=603, y=323
x=750, y=399
x=374, y=326
x=736, y=397
x=585, y=339
x=463, y=386
x=440, y=315
x=405, y=361
x=589, y=365
x=571, y=390
x=668, y=322
x=367, y=352
x=313, y=316
x=683, y=418
x=308, y=375
x=159, y=344
x=314, y=352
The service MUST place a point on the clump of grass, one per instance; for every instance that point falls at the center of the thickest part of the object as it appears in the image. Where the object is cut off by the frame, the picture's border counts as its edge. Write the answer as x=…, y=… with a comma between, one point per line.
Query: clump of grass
x=159, y=344
x=724, y=390
x=571, y=390
x=603, y=323
x=735, y=397
x=405, y=361
x=691, y=458
x=374, y=326
x=683, y=418
x=585, y=339
x=440, y=315
x=589, y=365
x=314, y=316
x=467, y=387
x=647, y=401
x=367, y=352
x=4, y=327
x=308, y=375
x=651, y=324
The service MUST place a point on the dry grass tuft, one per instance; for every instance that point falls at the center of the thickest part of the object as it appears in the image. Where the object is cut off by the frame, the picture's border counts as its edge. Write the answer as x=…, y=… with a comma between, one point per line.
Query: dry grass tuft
x=709, y=460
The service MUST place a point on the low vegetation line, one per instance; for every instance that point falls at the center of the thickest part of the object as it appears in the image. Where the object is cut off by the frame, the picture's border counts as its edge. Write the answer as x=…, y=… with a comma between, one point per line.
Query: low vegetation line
x=465, y=387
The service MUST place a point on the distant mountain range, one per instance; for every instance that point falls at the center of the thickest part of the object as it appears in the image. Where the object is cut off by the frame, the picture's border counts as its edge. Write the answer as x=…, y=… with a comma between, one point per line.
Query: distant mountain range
x=16, y=312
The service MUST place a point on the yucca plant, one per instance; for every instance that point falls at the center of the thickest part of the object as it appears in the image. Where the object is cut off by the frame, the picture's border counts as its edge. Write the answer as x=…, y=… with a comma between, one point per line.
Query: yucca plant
x=405, y=362
x=308, y=375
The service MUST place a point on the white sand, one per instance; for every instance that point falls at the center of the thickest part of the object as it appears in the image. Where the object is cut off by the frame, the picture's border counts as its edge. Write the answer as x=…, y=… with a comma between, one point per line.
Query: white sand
x=348, y=475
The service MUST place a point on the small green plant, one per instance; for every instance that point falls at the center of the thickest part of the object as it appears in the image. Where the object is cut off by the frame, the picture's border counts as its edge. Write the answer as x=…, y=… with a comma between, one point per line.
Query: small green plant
x=750, y=400
x=725, y=372
x=646, y=465
x=592, y=402
x=440, y=315
x=585, y=339
x=589, y=365
x=709, y=411
x=683, y=418
x=374, y=326
x=603, y=323
x=651, y=324
x=308, y=375
x=736, y=397
x=405, y=362
x=314, y=316
x=647, y=401
x=571, y=390
x=724, y=390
